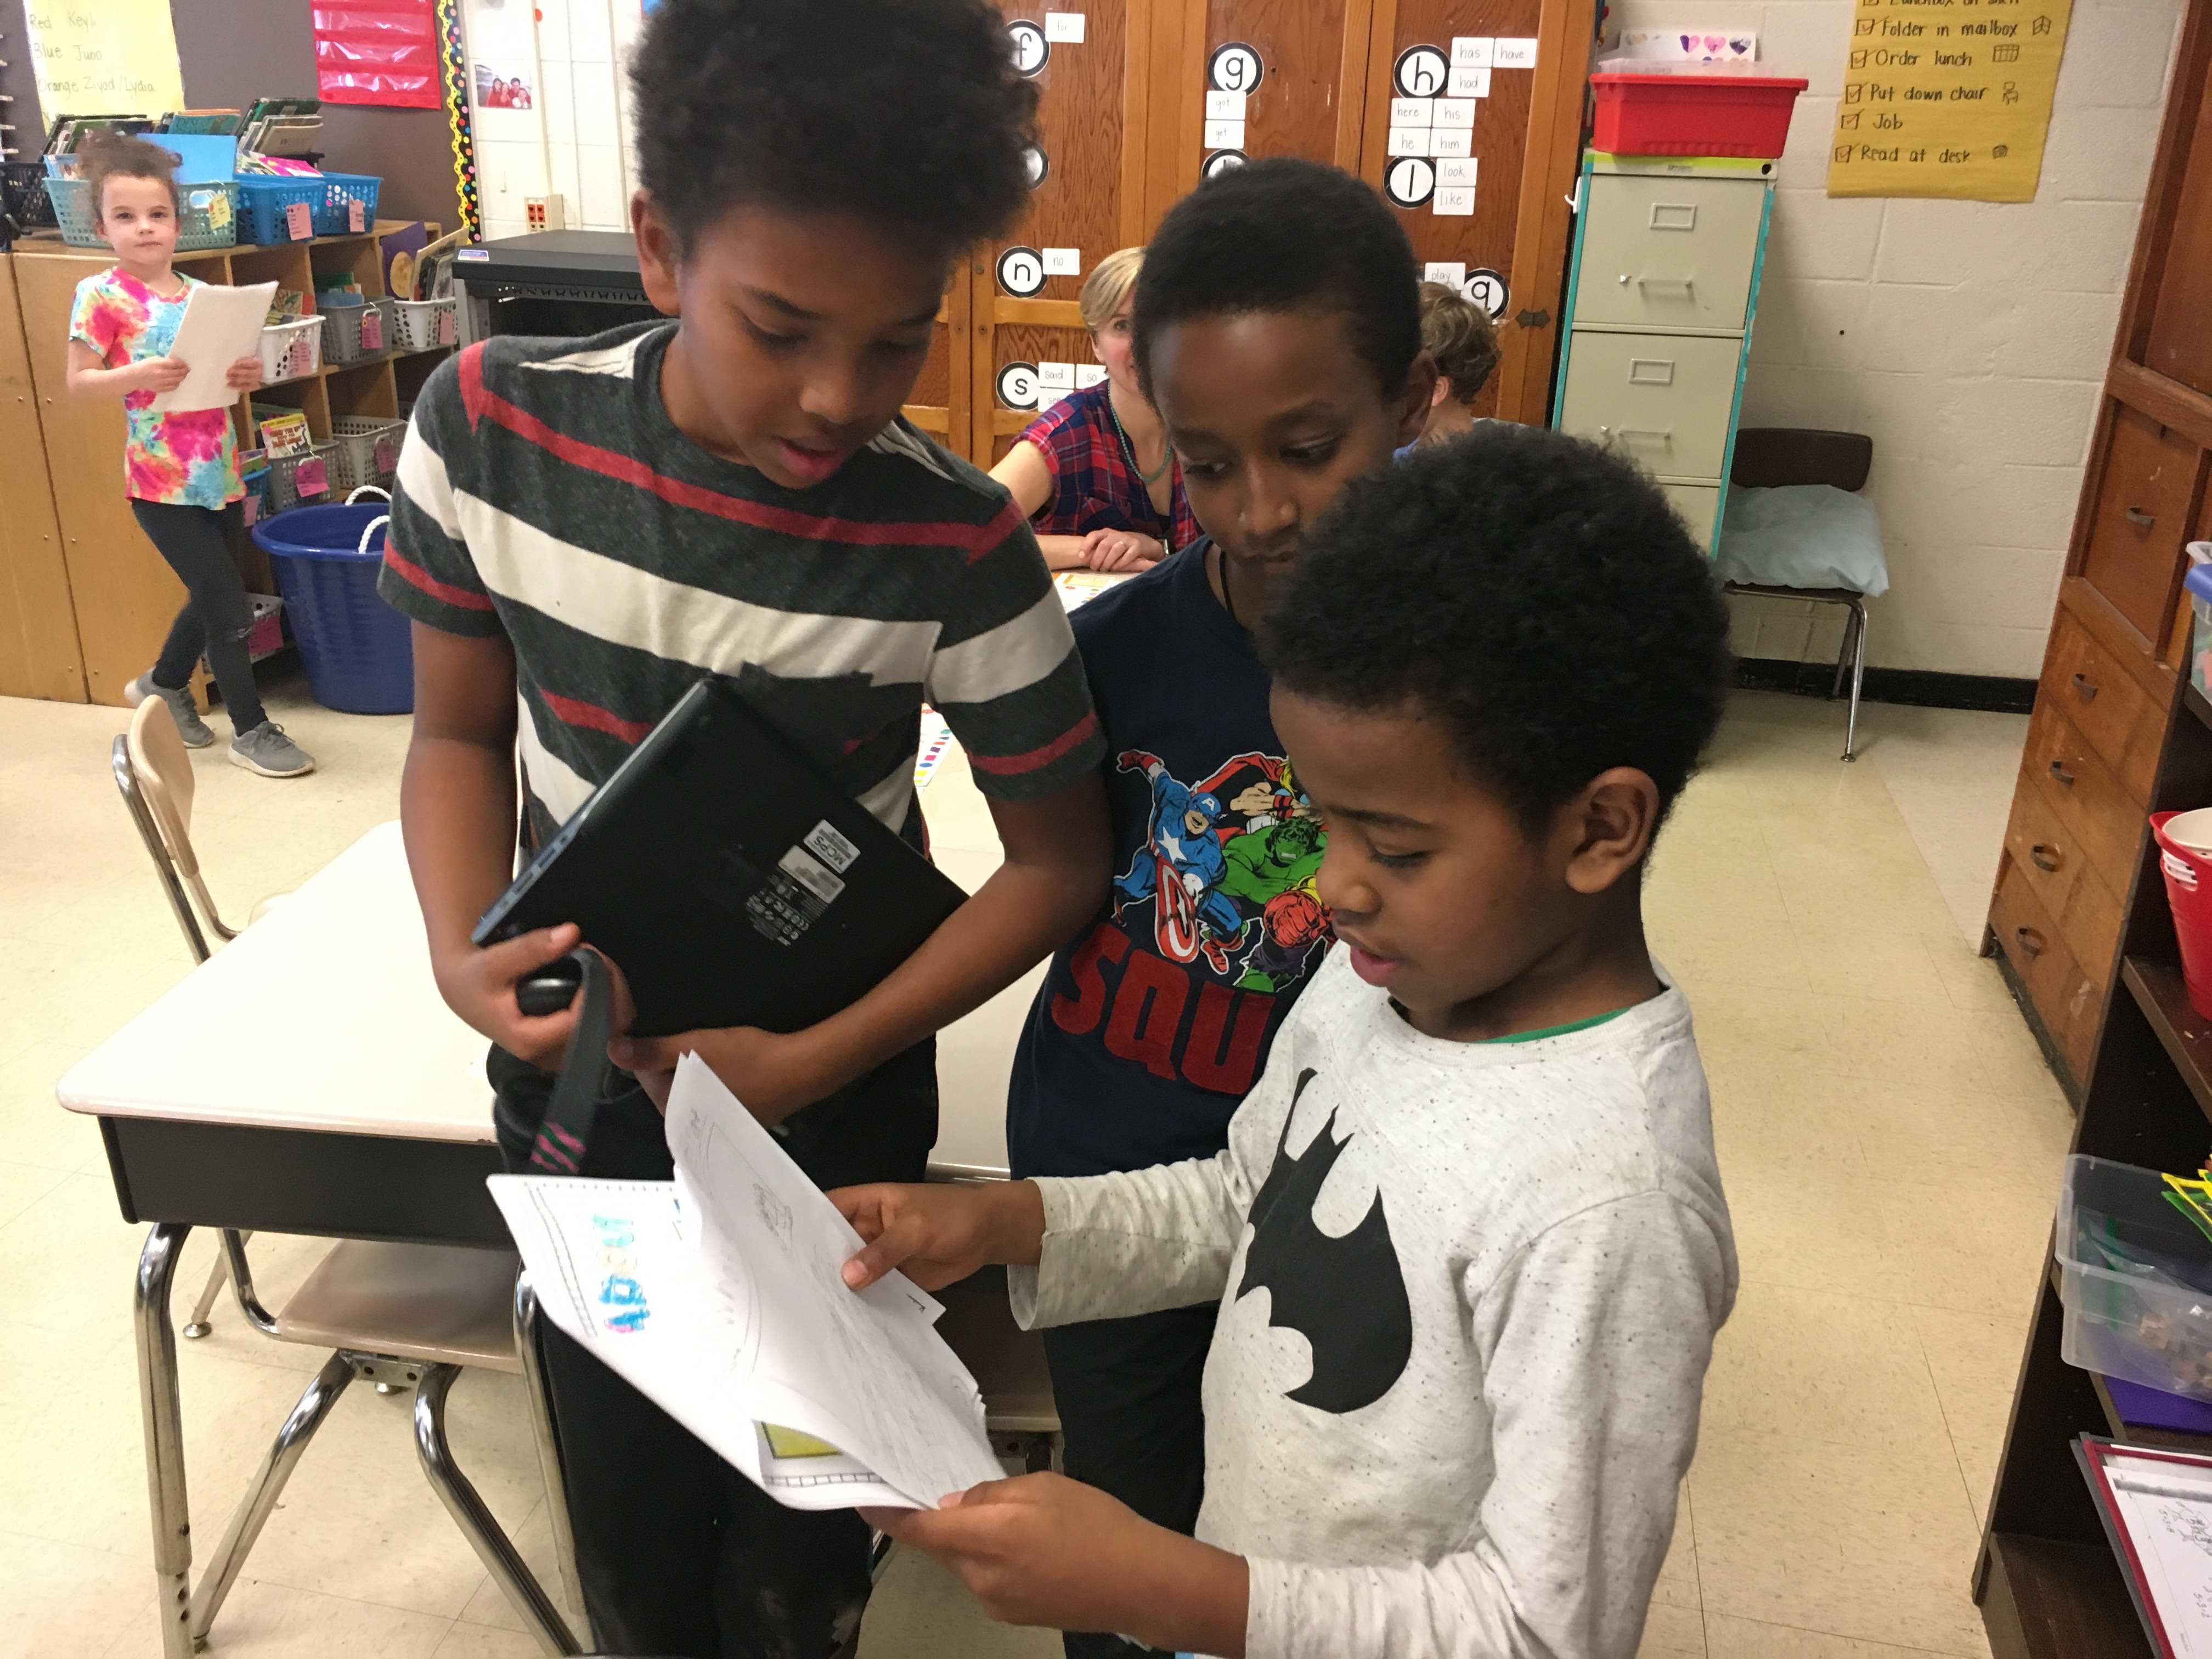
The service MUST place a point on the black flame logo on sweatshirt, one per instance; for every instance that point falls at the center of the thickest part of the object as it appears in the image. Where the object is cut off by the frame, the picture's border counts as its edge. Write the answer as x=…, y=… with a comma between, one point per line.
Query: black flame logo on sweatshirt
x=1346, y=1295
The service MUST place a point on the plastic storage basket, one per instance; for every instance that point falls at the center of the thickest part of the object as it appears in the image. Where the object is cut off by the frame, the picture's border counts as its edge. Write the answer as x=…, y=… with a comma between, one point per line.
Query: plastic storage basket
x=1654, y=110
x=285, y=490
x=368, y=450
x=356, y=649
x=333, y=214
x=348, y=334
x=23, y=203
x=208, y=217
x=2135, y=1278
x=264, y=202
x=426, y=324
x=291, y=351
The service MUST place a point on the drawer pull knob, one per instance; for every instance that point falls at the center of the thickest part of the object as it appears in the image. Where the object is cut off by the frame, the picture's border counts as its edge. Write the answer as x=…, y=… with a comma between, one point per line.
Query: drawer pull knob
x=2141, y=519
x=2045, y=859
x=2058, y=771
x=2030, y=941
x=2085, y=687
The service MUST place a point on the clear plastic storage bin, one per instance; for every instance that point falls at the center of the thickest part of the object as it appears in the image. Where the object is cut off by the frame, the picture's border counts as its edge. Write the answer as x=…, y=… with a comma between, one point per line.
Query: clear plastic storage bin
x=2136, y=1279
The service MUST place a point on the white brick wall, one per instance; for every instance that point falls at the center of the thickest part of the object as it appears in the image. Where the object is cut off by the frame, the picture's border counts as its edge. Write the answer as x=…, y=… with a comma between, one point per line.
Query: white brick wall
x=1968, y=339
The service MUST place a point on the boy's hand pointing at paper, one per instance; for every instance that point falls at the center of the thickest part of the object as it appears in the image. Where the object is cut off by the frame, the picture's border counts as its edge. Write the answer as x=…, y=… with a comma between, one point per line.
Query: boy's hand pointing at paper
x=940, y=1233
x=1046, y=1550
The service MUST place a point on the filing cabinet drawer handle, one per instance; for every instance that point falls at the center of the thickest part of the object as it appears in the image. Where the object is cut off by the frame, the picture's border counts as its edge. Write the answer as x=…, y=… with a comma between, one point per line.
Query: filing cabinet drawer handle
x=1674, y=215
x=2045, y=859
x=1651, y=371
x=2058, y=771
x=1685, y=283
x=2085, y=687
x=2030, y=941
x=1665, y=435
x=2141, y=519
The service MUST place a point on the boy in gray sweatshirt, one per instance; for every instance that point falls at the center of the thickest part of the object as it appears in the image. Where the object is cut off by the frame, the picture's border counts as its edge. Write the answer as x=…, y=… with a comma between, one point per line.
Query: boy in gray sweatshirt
x=1468, y=1234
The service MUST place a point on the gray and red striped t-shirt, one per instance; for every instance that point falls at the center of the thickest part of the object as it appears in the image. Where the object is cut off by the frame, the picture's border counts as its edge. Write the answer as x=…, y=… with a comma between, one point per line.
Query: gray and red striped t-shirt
x=545, y=494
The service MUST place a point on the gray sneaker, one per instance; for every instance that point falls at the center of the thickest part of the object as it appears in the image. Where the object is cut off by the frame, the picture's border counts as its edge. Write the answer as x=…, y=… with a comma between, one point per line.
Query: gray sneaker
x=267, y=750
x=190, y=725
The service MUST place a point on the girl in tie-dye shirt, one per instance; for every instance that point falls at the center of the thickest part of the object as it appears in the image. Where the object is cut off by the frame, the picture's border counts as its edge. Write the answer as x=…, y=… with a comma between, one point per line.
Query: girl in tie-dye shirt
x=180, y=470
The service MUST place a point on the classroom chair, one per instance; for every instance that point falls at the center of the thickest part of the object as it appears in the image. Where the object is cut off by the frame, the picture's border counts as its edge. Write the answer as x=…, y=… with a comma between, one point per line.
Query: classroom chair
x=153, y=773
x=1770, y=457
x=393, y=1313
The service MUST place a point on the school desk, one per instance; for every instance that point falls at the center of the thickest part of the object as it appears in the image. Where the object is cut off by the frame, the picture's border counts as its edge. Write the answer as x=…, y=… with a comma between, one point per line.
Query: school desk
x=360, y=1111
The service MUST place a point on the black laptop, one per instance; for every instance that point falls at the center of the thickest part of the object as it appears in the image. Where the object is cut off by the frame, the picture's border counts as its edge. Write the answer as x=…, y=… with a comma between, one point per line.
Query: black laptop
x=733, y=883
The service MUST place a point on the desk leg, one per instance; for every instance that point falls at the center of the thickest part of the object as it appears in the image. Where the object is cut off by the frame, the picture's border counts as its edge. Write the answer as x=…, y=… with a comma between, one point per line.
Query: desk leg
x=163, y=1420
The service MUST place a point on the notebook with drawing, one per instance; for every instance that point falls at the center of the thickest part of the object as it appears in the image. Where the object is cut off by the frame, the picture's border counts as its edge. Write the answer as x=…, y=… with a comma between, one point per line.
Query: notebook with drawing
x=2157, y=1510
x=731, y=881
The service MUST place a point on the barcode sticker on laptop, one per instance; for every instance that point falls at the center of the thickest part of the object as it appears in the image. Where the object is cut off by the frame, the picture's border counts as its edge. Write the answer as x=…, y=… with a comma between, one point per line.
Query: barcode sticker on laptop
x=831, y=847
x=810, y=875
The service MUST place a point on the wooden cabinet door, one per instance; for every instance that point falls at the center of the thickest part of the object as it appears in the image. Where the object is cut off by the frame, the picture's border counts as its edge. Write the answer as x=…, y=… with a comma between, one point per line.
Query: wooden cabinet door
x=1090, y=200
x=1526, y=128
x=2173, y=272
x=1308, y=97
x=39, y=655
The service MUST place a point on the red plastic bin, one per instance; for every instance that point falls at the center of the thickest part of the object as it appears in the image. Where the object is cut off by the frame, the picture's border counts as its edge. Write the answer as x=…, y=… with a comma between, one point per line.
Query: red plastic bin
x=1659, y=113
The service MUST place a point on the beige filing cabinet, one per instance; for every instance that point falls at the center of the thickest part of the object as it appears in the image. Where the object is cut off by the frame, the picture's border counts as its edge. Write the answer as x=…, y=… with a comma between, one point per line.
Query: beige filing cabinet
x=1660, y=300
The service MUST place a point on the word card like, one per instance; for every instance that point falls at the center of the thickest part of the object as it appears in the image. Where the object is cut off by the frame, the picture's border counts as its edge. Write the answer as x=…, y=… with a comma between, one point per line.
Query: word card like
x=1515, y=54
x=1451, y=140
x=1454, y=204
x=1454, y=112
x=1063, y=262
x=1471, y=51
x=1412, y=111
x=1055, y=376
x=1088, y=375
x=1409, y=141
x=1470, y=81
x=1457, y=175
x=1451, y=272
x=1224, y=106
x=1224, y=135
x=1066, y=26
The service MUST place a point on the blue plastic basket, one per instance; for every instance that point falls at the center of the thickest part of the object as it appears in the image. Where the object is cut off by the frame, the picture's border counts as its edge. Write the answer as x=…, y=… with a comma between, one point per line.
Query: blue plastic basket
x=200, y=224
x=358, y=653
x=339, y=189
x=264, y=202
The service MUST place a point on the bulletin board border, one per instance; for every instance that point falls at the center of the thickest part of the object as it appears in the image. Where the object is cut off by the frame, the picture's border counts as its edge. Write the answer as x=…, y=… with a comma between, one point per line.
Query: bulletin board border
x=453, y=73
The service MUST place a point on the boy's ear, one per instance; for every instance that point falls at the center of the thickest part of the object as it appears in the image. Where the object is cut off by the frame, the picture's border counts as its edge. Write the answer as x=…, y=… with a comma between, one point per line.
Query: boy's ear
x=1442, y=391
x=1414, y=401
x=1607, y=829
x=659, y=257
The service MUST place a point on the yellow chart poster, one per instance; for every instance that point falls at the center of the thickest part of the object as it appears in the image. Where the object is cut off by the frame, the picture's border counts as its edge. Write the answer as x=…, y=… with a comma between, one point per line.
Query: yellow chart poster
x=104, y=56
x=1947, y=98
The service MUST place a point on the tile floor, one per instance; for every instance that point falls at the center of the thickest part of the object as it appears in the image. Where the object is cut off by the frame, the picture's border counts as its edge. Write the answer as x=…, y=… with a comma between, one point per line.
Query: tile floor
x=1868, y=1074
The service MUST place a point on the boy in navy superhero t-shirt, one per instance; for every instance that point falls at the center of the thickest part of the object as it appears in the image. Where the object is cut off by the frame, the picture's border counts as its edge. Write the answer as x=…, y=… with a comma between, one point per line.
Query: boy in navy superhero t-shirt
x=1277, y=331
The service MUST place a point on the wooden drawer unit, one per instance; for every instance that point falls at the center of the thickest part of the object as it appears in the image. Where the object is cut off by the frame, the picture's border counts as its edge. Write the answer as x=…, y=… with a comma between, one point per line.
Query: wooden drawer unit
x=1663, y=399
x=1664, y=253
x=2049, y=858
x=2140, y=519
x=2068, y=1000
x=2107, y=825
x=2106, y=704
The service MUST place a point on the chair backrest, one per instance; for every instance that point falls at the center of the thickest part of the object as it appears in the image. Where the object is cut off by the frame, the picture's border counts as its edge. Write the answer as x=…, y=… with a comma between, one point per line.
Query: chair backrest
x=1767, y=457
x=164, y=771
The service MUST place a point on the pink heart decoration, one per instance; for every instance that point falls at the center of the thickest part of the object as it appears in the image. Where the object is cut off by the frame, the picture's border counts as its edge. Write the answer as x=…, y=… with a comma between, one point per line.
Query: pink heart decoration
x=1715, y=42
x=1689, y=42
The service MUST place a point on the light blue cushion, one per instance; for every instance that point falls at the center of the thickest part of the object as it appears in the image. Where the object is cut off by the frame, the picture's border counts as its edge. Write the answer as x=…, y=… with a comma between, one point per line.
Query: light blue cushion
x=1803, y=536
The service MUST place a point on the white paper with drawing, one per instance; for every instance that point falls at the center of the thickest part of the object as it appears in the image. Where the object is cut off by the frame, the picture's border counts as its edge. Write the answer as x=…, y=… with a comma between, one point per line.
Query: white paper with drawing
x=220, y=325
x=2167, y=1506
x=718, y=1296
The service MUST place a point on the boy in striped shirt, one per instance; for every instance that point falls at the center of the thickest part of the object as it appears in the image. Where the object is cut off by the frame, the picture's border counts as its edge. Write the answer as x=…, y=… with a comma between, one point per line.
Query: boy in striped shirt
x=583, y=528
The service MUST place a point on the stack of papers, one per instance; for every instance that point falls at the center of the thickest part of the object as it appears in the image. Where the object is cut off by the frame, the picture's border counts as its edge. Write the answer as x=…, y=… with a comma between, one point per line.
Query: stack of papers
x=2157, y=1510
x=718, y=1296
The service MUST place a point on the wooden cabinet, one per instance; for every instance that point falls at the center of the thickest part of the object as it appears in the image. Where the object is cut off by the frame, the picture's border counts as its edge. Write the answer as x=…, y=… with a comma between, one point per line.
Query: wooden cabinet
x=122, y=598
x=2079, y=919
x=1125, y=133
x=38, y=654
